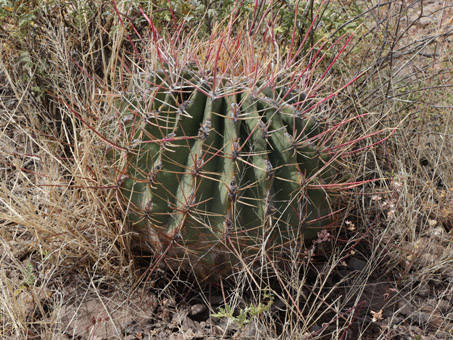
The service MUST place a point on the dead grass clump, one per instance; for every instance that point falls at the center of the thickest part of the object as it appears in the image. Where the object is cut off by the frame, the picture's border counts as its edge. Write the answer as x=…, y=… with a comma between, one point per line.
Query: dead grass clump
x=56, y=220
x=410, y=210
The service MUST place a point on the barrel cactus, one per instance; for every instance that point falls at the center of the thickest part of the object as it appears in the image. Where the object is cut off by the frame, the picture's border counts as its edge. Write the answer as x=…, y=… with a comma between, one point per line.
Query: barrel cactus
x=219, y=159
x=209, y=178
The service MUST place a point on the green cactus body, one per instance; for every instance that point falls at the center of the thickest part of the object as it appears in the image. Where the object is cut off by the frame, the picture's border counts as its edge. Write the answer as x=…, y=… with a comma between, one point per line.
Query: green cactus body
x=211, y=178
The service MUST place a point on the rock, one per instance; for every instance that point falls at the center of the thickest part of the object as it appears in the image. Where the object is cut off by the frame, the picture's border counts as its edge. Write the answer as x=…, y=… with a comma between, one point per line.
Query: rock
x=425, y=21
x=197, y=309
x=356, y=264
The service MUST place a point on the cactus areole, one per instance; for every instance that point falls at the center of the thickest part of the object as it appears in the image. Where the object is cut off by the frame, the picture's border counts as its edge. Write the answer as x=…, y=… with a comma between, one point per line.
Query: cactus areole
x=217, y=173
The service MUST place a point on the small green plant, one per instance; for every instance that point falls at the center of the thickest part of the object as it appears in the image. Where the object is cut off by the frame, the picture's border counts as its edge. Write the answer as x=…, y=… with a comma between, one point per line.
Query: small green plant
x=30, y=277
x=17, y=17
x=245, y=315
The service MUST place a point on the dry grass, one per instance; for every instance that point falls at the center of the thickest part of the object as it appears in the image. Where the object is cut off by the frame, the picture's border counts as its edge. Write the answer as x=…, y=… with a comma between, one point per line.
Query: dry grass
x=65, y=268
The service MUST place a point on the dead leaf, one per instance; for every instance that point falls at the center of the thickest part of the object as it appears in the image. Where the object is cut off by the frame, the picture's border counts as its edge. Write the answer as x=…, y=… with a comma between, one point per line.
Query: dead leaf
x=377, y=316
